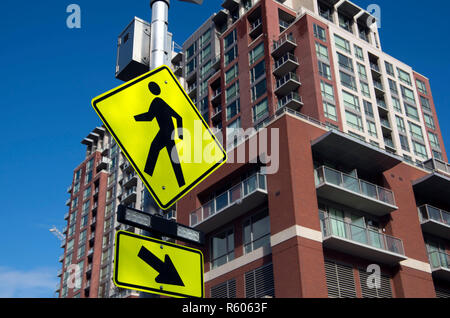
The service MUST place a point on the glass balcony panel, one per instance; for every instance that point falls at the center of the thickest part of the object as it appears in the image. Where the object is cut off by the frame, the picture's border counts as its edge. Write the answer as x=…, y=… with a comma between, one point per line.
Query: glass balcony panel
x=208, y=209
x=434, y=213
x=235, y=193
x=250, y=185
x=368, y=189
x=350, y=183
x=222, y=201
x=332, y=176
x=358, y=234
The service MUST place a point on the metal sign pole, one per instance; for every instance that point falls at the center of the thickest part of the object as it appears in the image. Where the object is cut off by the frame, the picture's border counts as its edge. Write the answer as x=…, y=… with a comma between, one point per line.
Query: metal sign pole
x=158, y=38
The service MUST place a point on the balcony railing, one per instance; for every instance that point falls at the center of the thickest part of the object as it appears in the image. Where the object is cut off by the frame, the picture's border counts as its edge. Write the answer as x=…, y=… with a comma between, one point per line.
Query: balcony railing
x=228, y=198
x=428, y=212
x=292, y=100
x=361, y=235
x=288, y=77
x=350, y=183
x=439, y=165
x=375, y=67
x=289, y=59
x=287, y=40
x=439, y=260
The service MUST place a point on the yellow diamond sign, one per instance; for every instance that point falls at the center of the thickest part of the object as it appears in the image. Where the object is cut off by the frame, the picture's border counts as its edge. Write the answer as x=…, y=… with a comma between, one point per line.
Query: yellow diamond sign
x=158, y=267
x=162, y=134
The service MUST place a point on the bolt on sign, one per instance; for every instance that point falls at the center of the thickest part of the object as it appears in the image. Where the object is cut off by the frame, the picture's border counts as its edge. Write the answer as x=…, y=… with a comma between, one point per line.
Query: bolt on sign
x=162, y=134
x=154, y=266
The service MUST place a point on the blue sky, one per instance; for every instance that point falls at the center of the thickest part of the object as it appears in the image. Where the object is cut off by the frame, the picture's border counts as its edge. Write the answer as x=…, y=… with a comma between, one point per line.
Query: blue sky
x=51, y=73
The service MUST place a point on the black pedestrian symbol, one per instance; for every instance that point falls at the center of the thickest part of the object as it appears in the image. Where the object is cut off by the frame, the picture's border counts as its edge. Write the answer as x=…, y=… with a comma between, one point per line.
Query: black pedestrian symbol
x=163, y=113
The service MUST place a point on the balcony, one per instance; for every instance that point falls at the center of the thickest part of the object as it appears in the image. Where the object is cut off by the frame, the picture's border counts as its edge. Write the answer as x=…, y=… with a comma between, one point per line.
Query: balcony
x=288, y=83
x=129, y=196
x=350, y=191
x=68, y=202
x=127, y=167
x=215, y=62
x=433, y=188
x=385, y=125
x=231, y=204
x=129, y=180
x=375, y=69
x=178, y=70
x=379, y=89
x=215, y=99
x=389, y=144
x=216, y=114
x=66, y=216
x=60, y=271
x=69, y=189
x=293, y=101
x=437, y=165
x=93, y=222
x=102, y=164
x=192, y=90
x=284, y=45
x=255, y=28
x=440, y=264
x=435, y=221
x=61, y=258
x=287, y=63
x=361, y=242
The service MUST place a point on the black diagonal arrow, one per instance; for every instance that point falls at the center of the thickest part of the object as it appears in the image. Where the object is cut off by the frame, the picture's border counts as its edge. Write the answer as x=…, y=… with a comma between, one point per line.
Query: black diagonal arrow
x=167, y=271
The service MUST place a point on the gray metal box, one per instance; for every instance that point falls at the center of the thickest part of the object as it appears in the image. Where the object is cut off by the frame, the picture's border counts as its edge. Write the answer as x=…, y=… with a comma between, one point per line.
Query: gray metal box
x=133, y=50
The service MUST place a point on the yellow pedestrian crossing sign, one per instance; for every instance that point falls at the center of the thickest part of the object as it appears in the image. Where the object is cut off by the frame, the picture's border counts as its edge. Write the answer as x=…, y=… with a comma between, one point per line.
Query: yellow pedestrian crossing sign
x=161, y=133
x=153, y=266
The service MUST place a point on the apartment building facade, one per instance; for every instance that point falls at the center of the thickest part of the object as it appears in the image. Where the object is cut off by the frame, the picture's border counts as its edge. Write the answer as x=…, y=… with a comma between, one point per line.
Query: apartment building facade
x=362, y=166
x=362, y=178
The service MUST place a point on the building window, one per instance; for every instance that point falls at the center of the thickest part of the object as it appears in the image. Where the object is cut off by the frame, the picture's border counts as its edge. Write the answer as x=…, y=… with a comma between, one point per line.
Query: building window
x=258, y=71
x=408, y=95
x=351, y=101
x=259, y=90
x=205, y=37
x=437, y=155
x=411, y=112
x=359, y=52
x=233, y=132
x=260, y=110
x=345, y=22
x=342, y=44
x=372, y=129
x=329, y=110
x=324, y=70
x=231, y=74
x=421, y=87
x=232, y=91
x=420, y=149
x=348, y=81
x=429, y=121
x=230, y=55
x=425, y=103
x=389, y=68
x=222, y=248
x=256, y=53
x=404, y=76
x=368, y=109
x=362, y=71
x=400, y=124
x=365, y=89
x=206, y=68
x=256, y=232
x=345, y=62
x=416, y=131
x=191, y=66
x=233, y=109
x=327, y=91
x=191, y=50
x=320, y=33
x=88, y=177
x=76, y=187
x=404, y=142
x=396, y=104
x=74, y=203
x=229, y=39
x=354, y=121
x=393, y=86
x=434, y=140
x=322, y=51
